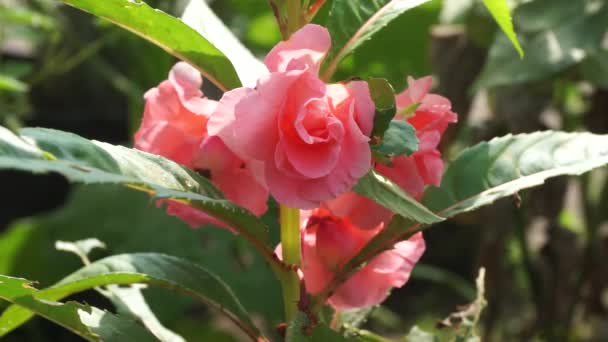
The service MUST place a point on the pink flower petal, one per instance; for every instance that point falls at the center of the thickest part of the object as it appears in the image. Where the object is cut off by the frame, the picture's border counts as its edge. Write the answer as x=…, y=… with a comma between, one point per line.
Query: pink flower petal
x=221, y=122
x=240, y=186
x=361, y=211
x=308, y=46
x=214, y=155
x=416, y=91
x=193, y=217
x=404, y=173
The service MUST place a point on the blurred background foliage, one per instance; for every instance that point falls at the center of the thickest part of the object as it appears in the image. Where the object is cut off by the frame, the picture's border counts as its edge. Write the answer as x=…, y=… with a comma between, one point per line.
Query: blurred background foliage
x=544, y=250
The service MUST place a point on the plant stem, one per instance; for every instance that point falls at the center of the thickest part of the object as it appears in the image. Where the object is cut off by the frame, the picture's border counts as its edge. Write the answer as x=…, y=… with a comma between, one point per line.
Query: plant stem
x=293, y=16
x=291, y=246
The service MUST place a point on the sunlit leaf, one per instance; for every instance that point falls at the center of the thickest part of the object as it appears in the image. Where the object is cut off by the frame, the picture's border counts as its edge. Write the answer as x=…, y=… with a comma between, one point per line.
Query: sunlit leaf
x=90, y=323
x=148, y=268
x=502, y=14
x=169, y=33
x=352, y=22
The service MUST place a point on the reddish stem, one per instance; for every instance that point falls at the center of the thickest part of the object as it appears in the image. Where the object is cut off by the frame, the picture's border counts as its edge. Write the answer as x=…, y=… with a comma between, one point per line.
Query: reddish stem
x=313, y=9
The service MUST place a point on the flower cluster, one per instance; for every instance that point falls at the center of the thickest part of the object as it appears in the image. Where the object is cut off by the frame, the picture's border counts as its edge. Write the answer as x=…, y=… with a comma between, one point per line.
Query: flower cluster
x=174, y=126
x=306, y=143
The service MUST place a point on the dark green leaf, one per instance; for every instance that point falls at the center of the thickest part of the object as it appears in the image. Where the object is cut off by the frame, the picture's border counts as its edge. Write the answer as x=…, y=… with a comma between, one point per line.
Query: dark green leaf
x=503, y=166
x=390, y=195
x=595, y=69
x=90, y=323
x=383, y=95
x=169, y=33
x=482, y=174
x=85, y=161
x=571, y=35
x=351, y=22
x=400, y=138
x=300, y=330
x=502, y=14
x=127, y=300
x=120, y=217
x=149, y=268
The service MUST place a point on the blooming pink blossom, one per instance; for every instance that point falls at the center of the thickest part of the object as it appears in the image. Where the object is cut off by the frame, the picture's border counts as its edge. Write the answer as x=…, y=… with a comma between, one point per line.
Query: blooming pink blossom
x=412, y=173
x=329, y=241
x=431, y=118
x=310, y=138
x=175, y=116
x=174, y=125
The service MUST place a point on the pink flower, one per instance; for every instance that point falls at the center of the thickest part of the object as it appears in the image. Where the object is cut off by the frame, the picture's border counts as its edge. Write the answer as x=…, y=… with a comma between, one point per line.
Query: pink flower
x=431, y=118
x=329, y=241
x=174, y=125
x=412, y=173
x=310, y=138
x=175, y=117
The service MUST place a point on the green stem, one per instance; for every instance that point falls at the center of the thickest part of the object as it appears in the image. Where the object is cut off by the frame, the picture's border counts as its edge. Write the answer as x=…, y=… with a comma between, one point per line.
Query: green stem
x=291, y=246
x=293, y=16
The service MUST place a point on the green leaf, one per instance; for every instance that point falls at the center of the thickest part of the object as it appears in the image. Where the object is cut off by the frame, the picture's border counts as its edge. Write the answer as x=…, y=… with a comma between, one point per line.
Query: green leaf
x=120, y=217
x=555, y=36
x=478, y=177
x=595, y=69
x=502, y=14
x=444, y=277
x=148, y=268
x=390, y=195
x=503, y=166
x=383, y=95
x=90, y=323
x=351, y=22
x=200, y=17
x=127, y=300
x=10, y=84
x=301, y=330
x=169, y=33
x=418, y=335
x=81, y=160
x=400, y=138
x=24, y=16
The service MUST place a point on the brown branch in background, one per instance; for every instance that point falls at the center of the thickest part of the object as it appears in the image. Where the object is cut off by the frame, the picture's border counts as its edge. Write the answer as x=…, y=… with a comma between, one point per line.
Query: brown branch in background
x=313, y=9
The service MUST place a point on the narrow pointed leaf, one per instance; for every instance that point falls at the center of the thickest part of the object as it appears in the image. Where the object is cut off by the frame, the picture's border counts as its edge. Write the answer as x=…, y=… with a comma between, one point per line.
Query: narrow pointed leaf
x=502, y=14
x=383, y=95
x=503, y=166
x=149, y=268
x=352, y=22
x=484, y=173
x=556, y=35
x=169, y=33
x=41, y=150
x=389, y=195
x=90, y=323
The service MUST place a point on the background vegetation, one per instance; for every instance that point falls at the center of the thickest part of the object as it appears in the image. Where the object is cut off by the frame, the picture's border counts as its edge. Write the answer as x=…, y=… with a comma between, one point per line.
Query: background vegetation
x=543, y=250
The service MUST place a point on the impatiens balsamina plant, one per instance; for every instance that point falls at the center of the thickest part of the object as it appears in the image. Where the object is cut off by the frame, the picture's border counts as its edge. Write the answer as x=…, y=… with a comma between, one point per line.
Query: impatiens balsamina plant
x=354, y=167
